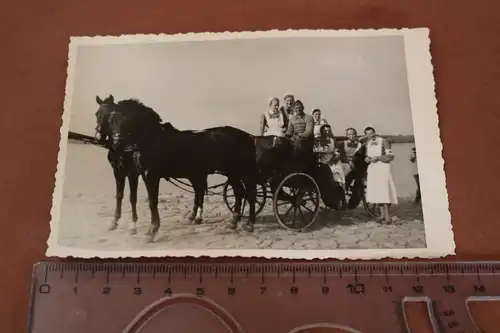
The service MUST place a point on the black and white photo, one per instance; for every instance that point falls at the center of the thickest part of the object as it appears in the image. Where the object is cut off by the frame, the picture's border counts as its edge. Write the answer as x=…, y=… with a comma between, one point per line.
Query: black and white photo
x=280, y=144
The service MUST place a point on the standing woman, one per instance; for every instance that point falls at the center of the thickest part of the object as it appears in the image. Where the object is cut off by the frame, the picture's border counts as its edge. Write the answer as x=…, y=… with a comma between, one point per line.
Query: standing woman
x=273, y=121
x=380, y=188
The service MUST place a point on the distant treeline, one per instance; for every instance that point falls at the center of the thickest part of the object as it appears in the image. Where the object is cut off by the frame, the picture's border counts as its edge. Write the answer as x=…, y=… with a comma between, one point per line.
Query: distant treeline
x=402, y=138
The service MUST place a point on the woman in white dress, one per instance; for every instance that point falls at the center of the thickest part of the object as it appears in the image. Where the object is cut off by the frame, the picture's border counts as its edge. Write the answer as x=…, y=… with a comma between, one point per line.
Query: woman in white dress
x=380, y=188
x=273, y=121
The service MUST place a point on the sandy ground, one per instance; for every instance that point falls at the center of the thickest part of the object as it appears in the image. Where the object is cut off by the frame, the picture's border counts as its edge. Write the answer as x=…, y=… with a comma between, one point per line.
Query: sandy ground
x=88, y=209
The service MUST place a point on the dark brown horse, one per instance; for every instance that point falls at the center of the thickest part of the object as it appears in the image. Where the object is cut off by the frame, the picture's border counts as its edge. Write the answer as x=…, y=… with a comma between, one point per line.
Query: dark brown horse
x=123, y=165
x=166, y=152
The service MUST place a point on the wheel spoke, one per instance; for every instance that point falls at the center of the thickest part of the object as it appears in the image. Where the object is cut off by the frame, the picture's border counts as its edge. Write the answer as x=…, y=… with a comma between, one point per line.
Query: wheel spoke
x=294, y=215
x=304, y=220
x=310, y=210
x=283, y=203
x=243, y=206
x=288, y=211
x=309, y=199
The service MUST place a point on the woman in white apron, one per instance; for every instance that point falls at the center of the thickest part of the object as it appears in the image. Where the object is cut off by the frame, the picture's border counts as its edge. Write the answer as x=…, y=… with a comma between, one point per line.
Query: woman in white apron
x=273, y=121
x=380, y=188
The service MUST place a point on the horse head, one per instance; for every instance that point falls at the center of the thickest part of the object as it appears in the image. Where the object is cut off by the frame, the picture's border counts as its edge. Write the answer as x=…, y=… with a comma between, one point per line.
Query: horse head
x=130, y=123
x=106, y=106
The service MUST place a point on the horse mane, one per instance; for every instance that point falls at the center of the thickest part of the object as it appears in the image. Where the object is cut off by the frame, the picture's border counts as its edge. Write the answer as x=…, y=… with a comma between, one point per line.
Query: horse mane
x=169, y=127
x=135, y=107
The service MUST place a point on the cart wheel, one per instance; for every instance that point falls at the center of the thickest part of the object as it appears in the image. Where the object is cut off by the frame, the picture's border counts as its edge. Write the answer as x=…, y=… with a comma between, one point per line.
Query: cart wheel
x=296, y=202
x=228, y=196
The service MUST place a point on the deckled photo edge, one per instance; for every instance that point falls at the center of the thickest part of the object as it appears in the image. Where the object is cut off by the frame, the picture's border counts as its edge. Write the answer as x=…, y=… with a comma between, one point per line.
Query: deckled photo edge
x=434, y=248
x=421, y=82
x=228, y=35
x=57, y=195
x=342, y=254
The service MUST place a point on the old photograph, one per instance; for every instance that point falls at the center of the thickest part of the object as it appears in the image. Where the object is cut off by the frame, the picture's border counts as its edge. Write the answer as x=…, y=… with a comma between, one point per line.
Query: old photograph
x=280, y=144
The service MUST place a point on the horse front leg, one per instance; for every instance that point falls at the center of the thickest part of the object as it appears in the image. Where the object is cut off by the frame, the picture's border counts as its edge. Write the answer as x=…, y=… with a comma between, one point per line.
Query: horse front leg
x=120, y=187
x=133, y=181
x=153, y=185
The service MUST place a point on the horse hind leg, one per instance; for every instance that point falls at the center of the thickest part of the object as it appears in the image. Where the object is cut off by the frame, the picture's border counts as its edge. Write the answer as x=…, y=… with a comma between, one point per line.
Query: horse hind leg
x=133, y=181
x=152, y=185
x=120, y=187
x=238, y=197
x=194, y=211
x=201, y=189
x=199, y=186
x=251, y=195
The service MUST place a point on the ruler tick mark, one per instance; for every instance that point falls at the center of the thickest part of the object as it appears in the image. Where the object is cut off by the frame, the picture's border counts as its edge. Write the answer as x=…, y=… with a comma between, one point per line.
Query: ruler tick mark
x=46, y=275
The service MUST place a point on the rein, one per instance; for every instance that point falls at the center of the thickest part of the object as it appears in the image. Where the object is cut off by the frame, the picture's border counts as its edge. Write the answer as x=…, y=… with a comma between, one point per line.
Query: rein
x=188, y=185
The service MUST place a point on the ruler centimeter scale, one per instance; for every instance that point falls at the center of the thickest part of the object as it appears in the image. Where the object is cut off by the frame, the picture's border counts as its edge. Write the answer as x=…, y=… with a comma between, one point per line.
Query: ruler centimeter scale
x=257, y=297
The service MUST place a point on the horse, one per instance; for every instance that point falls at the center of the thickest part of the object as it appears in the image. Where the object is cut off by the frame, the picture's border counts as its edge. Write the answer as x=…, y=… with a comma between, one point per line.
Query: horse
x=123, y=165
x=166, y=152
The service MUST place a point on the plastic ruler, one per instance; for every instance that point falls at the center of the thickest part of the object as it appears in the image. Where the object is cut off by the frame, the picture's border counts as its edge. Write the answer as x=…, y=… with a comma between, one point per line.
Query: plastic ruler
x=262, y=297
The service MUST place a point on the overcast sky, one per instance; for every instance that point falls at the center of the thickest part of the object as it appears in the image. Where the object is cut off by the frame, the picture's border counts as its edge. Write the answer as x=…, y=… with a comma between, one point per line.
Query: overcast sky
x=355, y=81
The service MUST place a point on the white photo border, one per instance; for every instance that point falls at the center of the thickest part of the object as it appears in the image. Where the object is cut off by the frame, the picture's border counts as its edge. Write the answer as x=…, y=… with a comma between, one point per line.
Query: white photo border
x=437, y=218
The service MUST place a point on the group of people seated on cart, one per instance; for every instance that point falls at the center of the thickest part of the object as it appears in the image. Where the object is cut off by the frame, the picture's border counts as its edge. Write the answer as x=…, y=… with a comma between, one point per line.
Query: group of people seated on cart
x=312, y=133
